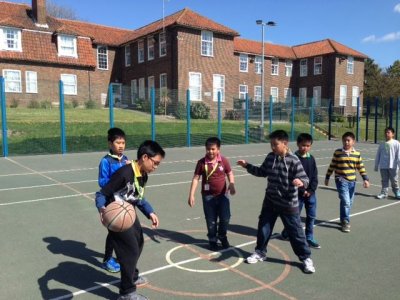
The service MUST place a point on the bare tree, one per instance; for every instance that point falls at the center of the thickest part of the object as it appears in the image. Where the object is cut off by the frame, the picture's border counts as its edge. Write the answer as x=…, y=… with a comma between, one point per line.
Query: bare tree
x=59, y=11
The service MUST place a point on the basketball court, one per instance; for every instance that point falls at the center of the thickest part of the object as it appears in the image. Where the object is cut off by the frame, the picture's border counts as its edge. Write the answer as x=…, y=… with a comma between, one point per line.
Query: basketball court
x=53, y=241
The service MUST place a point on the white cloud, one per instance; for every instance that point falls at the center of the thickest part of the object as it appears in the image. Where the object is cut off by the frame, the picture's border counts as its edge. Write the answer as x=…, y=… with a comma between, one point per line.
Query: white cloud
x=390, y=37
x=397, y=8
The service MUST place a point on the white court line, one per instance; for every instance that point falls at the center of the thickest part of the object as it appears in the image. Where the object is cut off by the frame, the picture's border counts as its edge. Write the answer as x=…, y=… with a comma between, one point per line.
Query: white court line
x=169, y=266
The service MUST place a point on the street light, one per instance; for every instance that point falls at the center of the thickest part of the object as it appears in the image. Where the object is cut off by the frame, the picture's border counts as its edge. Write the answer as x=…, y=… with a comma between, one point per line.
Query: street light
x=269, y=23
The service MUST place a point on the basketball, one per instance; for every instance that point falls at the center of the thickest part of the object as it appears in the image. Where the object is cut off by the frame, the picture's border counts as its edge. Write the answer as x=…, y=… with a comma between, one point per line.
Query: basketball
x=118, y=216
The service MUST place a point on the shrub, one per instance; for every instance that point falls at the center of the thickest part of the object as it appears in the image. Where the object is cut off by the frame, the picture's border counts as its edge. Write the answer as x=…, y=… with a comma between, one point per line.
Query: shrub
x=199, y=111
x=75, y=103
x=180, y=111
x=14, y=103
x=46, y=104
x=90, y=104
x=33, y=104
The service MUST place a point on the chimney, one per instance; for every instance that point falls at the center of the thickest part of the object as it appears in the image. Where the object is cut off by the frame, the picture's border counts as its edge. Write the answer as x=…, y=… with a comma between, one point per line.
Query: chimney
x=39, y=12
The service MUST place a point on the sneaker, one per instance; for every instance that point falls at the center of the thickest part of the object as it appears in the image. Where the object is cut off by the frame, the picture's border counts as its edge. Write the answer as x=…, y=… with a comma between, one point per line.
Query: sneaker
x=284, y=236
x=397, y=195
x=141, y=281
x=225, y=243
x=111, y=265
x=308, y=266
x=345, y=226
x=256, y=257
x=213, y=246
x=132, y=296
x=313, y=244
x=382, y=196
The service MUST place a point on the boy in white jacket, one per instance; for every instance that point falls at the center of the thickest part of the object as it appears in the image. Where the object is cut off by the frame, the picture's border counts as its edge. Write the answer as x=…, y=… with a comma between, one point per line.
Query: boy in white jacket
x=387, y=161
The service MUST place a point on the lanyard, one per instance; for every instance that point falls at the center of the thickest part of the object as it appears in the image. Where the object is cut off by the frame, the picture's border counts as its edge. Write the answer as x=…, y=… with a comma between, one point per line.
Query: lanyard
x=140, y=189
x=116, y=156
x=212, y=171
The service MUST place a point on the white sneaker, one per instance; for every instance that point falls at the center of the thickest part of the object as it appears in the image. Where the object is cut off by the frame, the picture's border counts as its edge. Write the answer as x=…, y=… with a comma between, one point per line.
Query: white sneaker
x=308, y=266
x=382, y=196
x=256, y=257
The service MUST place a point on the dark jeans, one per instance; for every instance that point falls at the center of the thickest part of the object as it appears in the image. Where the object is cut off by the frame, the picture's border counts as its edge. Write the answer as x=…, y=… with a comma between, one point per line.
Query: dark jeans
x=293, y=228
x=109, y=248
x=128, y=246
x=216, y=207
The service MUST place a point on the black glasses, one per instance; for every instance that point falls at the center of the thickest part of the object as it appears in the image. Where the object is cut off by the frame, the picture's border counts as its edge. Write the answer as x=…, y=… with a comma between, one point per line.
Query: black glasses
x=155, y=162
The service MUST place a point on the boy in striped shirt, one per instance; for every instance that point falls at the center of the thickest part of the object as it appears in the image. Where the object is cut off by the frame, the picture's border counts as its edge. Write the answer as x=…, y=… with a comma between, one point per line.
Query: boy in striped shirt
x=345, y=162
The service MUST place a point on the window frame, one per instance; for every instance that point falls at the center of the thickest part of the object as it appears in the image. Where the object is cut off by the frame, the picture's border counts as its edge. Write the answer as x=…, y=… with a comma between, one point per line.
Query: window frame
x=342, y=97
x=142, y=88
x=242, y=94
x=66, y=83
x=61, y=47
x=317, y=99
x=162, y=40
x=354, y=97
x=28, y=83
x=303, y=96
x=275, y=66
x=134, y=90
x=207, y=43
x=140, y=51
x=196, y=88
x=258, y=64
x=8, y=82
x=350, y=65
x=275, y=98
x=128, y=55
x=288, y=68
x=243, y=63
x=17, y=41
x=217, y=89
x=150, y=48
x=102, y=57
x=287, y=94
x=303, y=67
x=150, y=84
x=318, y=65
x=257, y=93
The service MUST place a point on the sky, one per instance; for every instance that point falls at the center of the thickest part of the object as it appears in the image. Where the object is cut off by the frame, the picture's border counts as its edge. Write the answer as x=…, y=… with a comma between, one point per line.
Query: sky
x=368, y=26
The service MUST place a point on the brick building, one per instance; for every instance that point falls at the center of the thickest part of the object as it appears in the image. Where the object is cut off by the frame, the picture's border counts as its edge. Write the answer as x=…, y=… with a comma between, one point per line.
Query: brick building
x=184, y=51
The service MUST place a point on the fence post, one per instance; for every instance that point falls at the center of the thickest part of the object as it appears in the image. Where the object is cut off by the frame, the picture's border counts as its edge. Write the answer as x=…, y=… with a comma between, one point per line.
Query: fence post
x=219, y=115
x=246, y=120
x=358, y=120
x=330, y=109
x=367, y=120
x=188, y=129
x=62, y=118
x=153, y=112
x=376, y=121
x=111, y=105
x=270, y=116
x=391, y=112
x=292, y=119
x=3, y=116
x=312, y=117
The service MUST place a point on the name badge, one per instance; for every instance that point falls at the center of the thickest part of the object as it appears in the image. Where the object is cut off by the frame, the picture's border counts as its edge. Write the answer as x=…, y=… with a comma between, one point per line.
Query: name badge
x=206, y=187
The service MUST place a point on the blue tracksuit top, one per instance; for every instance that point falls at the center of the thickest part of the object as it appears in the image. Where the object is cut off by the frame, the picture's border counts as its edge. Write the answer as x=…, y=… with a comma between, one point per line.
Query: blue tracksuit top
x=108, y=165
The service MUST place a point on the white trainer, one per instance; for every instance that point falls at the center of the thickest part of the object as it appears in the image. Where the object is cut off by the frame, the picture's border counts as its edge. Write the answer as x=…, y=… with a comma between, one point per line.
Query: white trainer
x=308, y=266
x=256, y=257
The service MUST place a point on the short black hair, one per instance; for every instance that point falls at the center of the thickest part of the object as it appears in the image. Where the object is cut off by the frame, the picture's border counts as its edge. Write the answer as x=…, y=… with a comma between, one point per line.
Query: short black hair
x=348, y=134
x=213, y=141
x=389, y=128
x=151, y=149
x=304, y=137
x=280, y=135
x=115, y=133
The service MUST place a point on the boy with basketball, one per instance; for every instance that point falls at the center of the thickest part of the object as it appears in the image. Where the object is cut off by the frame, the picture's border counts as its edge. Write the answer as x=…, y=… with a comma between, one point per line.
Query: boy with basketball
x=285, y=175
x=345, y=162
x=213, y=168
x=128, y=184
x=110, y=163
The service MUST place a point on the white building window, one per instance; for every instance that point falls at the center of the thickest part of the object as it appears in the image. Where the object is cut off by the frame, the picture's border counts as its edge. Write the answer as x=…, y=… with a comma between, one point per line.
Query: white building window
x=287, y=94
x=12, y=81
x=318, y=65
x=163, y=82
x=317, y=95
x=102, y=57
x=163, y=44
x=258, y=64
x=31, y=82
x=150, y=85
x=207, y=43
x=195, y=86
x=141, y=88
x=218, y=87
x=141, y=51
x=257, y=93
x=343, y=95
x=10, y=39
x=354, y=95
x=303, y=67
x=243, y=89
x=350, y=65
x=243, y=62
x=70, y=84
x=275, y=66
x=67, y=45
x=134, y=90
x=274, y=94
x=128, y=57
x=288, y=68
x=150, y=48
x=303, y=97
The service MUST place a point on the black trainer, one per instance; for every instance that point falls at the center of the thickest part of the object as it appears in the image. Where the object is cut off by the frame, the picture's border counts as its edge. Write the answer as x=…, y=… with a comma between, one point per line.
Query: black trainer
x=213, y=246
x=225, y=243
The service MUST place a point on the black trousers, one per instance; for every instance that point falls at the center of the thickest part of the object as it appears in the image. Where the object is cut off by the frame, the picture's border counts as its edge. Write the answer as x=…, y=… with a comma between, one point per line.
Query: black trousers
x=109, y=248
x=128, y=246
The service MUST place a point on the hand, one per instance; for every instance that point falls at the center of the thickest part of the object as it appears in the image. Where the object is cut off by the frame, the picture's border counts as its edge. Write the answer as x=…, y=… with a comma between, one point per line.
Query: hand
x=101, y=211
x=366, y=184
x=297, y=182
x=154, y=220
x=326, y=182
x=128, y=162
x=306, y=194
x=231, y=189
x=191, y=201
x=242, y=163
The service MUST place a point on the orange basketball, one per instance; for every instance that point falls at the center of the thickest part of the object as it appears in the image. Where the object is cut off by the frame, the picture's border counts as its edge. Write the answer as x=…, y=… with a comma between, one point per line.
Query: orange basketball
x=118, y=216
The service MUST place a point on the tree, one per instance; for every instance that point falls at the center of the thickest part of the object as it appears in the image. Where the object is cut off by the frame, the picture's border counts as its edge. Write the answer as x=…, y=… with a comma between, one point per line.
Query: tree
x=59, y=11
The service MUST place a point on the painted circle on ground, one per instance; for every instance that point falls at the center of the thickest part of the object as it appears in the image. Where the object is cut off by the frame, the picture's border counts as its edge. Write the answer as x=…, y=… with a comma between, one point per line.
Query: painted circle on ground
x=179, y=265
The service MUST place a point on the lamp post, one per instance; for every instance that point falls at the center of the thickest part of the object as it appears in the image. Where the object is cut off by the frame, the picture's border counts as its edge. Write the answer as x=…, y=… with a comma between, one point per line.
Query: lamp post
x=269, y=23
